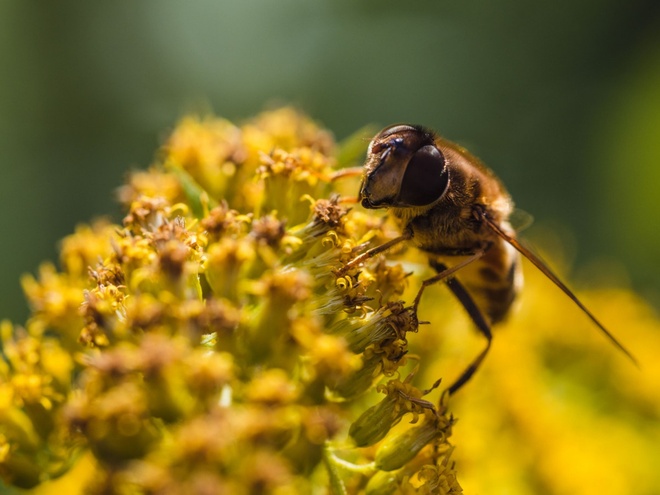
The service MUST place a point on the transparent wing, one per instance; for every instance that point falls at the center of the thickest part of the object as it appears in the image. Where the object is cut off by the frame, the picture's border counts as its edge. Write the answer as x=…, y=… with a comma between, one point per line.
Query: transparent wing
x=536, y=261
x=520, y=220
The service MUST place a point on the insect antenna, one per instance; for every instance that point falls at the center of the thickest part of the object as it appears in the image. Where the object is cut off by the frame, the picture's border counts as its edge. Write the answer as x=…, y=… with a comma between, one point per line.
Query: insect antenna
x=536, y=261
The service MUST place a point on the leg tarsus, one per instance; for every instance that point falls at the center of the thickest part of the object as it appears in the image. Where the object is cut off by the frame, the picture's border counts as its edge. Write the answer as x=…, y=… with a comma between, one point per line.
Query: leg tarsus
x=469, y=371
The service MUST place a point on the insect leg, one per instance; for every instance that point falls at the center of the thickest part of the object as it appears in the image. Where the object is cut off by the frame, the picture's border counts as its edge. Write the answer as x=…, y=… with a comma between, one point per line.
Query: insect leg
x=373, y=252
x=482, y=324
x=445, y=273
x=470, y=306
x=346, y=172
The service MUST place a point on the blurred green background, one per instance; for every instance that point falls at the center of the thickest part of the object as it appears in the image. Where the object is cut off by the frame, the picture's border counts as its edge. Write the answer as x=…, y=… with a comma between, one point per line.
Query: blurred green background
x=562, y=99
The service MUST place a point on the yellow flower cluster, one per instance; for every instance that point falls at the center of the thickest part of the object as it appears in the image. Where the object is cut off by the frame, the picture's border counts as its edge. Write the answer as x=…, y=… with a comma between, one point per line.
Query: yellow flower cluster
x=211, y=343
x=217, y=342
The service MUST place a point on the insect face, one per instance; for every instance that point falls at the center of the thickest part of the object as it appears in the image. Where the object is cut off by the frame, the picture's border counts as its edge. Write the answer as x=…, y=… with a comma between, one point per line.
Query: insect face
x=404, y=169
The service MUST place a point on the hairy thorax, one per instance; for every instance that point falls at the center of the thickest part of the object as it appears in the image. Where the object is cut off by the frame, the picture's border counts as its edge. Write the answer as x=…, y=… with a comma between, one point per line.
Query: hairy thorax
x=452, y=229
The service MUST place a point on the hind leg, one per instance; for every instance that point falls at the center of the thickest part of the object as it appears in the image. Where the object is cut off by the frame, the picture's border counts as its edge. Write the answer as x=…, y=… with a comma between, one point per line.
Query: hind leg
x=472, y=309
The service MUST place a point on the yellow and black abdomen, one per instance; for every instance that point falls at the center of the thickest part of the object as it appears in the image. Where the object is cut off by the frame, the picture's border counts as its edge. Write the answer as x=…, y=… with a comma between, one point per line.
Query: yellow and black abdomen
x=492, y=281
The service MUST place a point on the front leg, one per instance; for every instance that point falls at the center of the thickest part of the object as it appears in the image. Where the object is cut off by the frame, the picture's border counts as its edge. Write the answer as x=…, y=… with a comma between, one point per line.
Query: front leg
x=367, y=255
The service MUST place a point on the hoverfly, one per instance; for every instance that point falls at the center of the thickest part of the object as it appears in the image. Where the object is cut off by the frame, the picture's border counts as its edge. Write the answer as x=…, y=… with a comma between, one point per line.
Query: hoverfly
x=455, y=210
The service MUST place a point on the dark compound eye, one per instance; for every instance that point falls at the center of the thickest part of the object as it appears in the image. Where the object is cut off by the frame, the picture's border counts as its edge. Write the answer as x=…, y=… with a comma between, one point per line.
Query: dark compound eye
x=425, y=179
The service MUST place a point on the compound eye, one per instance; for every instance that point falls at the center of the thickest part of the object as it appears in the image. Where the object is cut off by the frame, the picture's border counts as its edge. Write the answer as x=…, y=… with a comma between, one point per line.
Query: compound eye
x=425, y=179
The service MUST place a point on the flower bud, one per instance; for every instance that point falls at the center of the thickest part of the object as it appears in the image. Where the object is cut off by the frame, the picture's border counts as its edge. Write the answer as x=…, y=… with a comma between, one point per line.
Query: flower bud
x=383, y=483
x=224, y=266
x=401, y=448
